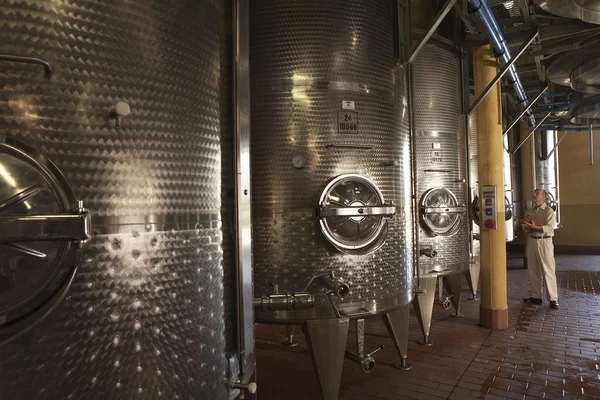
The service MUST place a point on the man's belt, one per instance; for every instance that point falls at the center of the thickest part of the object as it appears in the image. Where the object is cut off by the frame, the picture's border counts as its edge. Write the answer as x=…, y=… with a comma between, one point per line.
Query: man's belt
x=540, y=237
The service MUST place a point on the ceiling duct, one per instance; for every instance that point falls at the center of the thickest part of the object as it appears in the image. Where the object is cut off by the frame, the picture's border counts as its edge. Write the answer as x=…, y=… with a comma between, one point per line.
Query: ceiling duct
x=483, y=11
x=585, y=10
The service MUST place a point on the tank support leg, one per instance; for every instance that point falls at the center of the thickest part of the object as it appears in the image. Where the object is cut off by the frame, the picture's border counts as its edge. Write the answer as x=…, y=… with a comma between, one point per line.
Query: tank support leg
x=366, y=362
x=453, y=284
x=396, y=323
x=326, y=339
x=423, y=305
x=472, y=276
x=360, y=342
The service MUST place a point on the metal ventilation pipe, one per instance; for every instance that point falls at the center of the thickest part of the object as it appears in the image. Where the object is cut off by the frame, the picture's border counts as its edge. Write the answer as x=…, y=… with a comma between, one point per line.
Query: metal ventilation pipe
x=483, y=11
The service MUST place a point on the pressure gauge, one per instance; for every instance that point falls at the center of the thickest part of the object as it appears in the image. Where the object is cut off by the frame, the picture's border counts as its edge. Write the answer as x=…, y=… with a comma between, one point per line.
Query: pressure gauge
x=298, y=162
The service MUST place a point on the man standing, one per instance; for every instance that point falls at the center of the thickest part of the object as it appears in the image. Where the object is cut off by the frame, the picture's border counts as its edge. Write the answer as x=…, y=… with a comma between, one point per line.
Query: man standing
x=539, y=223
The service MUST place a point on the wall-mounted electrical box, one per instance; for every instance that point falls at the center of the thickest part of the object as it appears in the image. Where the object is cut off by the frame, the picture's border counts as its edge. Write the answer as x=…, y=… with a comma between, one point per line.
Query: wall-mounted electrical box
x=489, y=209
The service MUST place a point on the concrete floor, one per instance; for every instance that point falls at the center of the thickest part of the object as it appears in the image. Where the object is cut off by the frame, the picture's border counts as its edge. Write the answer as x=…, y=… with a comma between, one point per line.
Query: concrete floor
x=544, y=354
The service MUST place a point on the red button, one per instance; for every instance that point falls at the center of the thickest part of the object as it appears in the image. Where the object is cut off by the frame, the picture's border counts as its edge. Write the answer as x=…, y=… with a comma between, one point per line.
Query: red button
x=489, y=223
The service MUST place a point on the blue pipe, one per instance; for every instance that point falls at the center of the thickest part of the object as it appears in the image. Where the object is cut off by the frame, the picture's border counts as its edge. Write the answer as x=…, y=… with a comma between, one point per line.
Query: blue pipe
x=555, y=94
x=558, y=103
x=483, y=11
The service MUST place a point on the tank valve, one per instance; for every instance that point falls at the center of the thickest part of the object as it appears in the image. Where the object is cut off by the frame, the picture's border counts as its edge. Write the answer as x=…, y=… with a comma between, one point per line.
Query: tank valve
x=121, y=109
x=366, y=361
x=250, y=387
x=428, y=252
x=285, y=301
x=339, y=288
x=446, y=302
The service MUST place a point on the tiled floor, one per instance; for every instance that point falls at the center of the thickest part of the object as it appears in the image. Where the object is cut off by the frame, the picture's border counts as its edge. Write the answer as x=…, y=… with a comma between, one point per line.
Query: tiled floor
x=544, y=353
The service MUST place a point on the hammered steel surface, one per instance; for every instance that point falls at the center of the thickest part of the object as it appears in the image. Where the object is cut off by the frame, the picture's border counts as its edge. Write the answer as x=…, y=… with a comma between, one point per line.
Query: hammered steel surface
x=508, y=190
x=545, y=170
x=473, y=172
x=306, y=58
x=145, y=317
x=439, y=140
x=227, y=176
x=518, y=199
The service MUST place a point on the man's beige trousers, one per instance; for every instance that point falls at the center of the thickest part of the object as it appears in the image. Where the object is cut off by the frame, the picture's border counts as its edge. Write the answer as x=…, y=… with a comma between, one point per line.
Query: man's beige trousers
x=540, y=263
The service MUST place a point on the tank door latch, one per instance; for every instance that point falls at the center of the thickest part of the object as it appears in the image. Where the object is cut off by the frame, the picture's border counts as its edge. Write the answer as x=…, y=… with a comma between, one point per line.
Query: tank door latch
x=69, y=226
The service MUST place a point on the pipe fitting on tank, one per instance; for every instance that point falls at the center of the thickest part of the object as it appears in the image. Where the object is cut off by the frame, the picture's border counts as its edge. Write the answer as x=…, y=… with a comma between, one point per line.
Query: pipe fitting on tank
x=339, y=288
x=428, y=252
x=286, y=301
x=121, y=109
x=446, y=302
x=250, y=387
x=336, y=286
x=367, y=362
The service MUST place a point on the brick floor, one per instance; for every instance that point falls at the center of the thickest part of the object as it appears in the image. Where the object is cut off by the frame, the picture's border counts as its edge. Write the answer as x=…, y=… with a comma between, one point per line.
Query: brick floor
x=544, y=353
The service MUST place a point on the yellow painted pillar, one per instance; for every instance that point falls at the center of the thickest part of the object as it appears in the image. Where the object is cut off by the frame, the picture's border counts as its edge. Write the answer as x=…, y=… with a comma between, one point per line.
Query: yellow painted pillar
x=493, y=312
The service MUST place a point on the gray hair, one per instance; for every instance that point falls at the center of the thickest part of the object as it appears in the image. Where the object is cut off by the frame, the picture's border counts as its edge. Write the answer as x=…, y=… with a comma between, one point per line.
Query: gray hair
x=543, y=191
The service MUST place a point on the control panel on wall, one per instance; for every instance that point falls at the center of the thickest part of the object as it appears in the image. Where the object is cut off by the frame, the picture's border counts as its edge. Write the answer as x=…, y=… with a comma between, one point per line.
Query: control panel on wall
x=489, y=211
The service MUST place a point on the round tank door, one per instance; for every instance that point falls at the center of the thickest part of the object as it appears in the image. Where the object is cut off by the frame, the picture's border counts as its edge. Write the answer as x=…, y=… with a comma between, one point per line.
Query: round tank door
x=508, y=210
x=42, y=228
x=353, y=214
x=550, y=201
x=440, y=211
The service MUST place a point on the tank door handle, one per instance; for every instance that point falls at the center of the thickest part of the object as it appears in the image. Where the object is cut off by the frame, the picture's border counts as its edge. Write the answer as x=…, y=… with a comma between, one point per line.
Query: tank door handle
x=437, y=210
x=361, y=211
x=20, y=228
x=28, y=60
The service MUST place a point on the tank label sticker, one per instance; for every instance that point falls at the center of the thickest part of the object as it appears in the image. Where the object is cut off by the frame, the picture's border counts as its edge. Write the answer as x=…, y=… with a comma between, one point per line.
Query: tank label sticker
x=348, y=105
x=436, y=153
x=347, y=122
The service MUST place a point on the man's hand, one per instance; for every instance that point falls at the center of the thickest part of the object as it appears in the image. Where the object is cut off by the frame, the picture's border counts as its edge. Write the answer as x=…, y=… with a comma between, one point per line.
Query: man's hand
x=531, y=227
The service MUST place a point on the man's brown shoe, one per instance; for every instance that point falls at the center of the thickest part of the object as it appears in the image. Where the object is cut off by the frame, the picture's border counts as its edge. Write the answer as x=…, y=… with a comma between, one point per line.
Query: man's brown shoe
x=532, y=300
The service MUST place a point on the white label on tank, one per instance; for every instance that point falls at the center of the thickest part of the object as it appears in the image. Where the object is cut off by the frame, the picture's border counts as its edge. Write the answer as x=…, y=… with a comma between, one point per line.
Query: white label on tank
x=436, y=145
x=347, y=122
x=436, y=156
x=348, y=105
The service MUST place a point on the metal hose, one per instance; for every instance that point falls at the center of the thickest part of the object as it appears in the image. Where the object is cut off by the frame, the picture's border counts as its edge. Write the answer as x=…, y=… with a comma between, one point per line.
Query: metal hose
x=483, y=11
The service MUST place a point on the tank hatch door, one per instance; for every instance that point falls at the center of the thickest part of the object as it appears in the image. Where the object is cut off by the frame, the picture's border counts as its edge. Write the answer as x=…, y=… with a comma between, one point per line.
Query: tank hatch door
x=42, y=229
x=440, y=211
x=353, y=214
